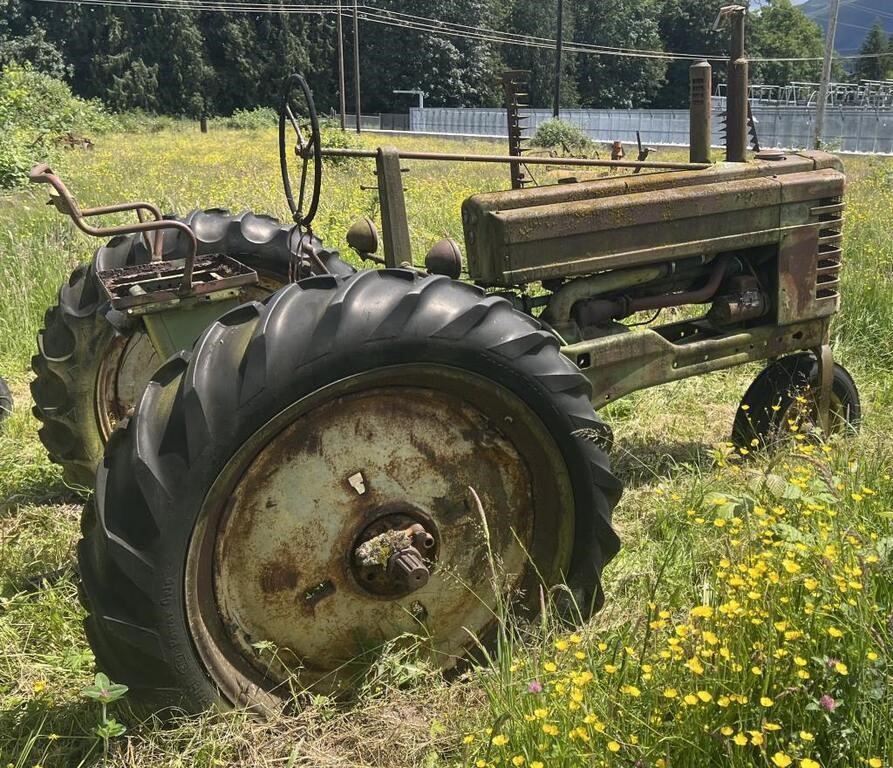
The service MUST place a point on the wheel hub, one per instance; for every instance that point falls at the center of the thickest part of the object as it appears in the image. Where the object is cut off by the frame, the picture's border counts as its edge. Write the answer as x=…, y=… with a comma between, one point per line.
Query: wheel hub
x=394, y=555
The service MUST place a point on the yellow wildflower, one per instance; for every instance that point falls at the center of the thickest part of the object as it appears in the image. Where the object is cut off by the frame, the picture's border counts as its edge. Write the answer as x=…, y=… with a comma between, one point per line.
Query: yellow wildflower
x=806, y=736
x=694, y=664
x=704, y=696
x=840, y=668
x=875, y=762
x=631, y=690
x=727, y=730
x=756, y=738
x=781, y=760
x=550, y=666
x=806, y=762
x=518, y=761
x=834, y=632
x=613, y=746
x=740, y=739
x=550, y=730
x=500, y=740
x=670, y=693
x=765, y=701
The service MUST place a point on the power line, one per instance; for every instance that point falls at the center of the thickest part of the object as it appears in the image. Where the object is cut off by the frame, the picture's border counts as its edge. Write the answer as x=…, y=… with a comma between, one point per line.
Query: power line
x=882, y=14
x=430, y=26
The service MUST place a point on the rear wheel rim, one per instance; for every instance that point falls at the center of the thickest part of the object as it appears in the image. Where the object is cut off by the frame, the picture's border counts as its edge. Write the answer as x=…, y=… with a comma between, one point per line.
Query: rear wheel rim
x=269, y=563
x=123, y=373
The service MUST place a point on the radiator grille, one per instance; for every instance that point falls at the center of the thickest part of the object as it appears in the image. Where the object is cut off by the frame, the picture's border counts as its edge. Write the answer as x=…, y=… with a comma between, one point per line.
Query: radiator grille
x=830, y=215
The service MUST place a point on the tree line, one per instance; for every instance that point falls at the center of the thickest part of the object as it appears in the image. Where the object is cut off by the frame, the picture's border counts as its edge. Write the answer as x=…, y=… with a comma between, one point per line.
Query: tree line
x=184, y=62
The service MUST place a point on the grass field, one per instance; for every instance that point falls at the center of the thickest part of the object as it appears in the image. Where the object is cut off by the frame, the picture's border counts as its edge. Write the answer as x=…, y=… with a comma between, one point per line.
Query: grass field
x=749, y=617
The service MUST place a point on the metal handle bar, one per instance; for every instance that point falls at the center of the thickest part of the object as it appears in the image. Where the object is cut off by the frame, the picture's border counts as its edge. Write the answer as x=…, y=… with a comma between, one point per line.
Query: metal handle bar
x=65, y=203
x=523, y=160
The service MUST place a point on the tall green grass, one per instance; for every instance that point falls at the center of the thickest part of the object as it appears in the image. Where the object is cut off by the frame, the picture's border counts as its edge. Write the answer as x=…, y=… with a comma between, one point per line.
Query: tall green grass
x=666, y=454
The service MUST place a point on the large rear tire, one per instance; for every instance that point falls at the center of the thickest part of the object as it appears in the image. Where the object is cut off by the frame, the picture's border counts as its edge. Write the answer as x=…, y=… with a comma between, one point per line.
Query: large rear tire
x=92, y=364
x=231, y=508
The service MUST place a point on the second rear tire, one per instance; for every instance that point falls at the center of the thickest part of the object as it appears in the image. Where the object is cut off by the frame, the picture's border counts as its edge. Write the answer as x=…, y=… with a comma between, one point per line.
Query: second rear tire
x=92, y=364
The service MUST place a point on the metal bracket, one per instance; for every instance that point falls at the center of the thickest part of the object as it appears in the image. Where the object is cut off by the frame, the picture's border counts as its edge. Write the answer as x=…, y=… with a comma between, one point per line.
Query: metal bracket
x=397, y=246
x=825, y=362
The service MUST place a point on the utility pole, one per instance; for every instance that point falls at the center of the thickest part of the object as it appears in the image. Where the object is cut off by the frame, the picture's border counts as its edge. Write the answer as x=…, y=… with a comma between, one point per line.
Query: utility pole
x=826, y=74
x=559, y=34
x=341, y=69
x=356, y=59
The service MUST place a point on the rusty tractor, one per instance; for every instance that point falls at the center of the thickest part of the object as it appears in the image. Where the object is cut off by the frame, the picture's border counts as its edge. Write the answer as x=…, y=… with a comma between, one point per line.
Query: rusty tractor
x=305, y=462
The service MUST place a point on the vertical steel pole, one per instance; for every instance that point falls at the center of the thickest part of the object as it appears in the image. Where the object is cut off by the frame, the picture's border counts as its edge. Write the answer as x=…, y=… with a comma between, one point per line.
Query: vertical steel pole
x=826, y=74
x=356, y=59
x=341, y=69
x=736, y=98
x=700, y=81
x=559, y=35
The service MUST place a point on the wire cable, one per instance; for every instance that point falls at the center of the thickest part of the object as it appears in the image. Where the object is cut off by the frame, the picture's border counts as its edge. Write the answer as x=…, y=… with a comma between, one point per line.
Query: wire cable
x=430, y=26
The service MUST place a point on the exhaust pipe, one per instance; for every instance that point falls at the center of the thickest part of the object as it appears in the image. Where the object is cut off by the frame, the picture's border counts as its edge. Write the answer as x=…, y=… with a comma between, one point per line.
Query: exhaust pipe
x=736, y=98
x=700, y=86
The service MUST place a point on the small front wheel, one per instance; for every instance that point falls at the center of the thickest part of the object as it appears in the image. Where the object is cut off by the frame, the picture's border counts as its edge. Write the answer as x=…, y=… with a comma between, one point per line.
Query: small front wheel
x=784, y=398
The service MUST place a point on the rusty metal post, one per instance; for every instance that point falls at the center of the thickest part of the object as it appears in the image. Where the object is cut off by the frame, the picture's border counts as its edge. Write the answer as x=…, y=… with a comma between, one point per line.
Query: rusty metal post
x=397, y=246
x=515, y=86
x=700, y=81
x=559, y=39
x=825, y=381
x=736, y=99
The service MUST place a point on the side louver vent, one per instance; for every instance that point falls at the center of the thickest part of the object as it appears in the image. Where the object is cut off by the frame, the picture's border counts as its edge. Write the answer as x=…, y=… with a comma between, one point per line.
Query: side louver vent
x=830, y=215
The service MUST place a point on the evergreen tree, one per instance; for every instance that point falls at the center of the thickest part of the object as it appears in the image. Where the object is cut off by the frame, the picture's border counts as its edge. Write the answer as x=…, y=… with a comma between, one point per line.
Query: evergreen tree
x=878, y=50
x=686, y=26
x=619, y=81
x=782, y=30
x=451, y=71
x=537, y=18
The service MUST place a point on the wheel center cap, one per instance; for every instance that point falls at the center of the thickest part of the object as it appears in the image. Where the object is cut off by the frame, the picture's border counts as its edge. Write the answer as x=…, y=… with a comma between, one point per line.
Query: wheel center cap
x=394, y=555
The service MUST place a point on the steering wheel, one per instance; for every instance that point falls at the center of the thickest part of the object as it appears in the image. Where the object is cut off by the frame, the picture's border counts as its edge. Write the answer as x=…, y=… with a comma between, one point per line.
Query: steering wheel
x=308, y=146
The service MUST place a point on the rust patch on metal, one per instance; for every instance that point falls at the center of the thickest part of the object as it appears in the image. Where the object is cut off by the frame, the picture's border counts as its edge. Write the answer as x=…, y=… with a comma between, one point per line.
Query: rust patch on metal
x=276, y=577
